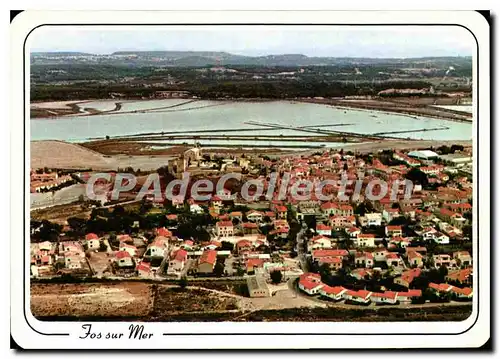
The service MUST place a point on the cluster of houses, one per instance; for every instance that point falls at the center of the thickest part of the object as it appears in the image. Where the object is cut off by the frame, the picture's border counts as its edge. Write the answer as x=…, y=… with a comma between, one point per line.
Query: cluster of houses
x=311, y=284
x=47, y=258
x=375, y=234
x=46, y=181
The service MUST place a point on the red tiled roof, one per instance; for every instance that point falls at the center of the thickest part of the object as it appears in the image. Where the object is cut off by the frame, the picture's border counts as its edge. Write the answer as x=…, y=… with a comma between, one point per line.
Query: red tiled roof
x=144, y=266
x=318, y=253
x=243, y=243
x=464, y=291
x=323, y=227
x=393, y=228
x=90, y=236
x=410, y=293
x=360, y=293
x=180, y=255
x=122, y=254
x=254, y=262
x=413, y=254
x=391, y=256
x=388, y=294
x=333, y=290
x=411, y=274
x=311, y=276
x=366, y=235
x=208, y=256
x=163, y=232
x=329, y=205
x=440, y=287
x=224, y=224
x=308, y=284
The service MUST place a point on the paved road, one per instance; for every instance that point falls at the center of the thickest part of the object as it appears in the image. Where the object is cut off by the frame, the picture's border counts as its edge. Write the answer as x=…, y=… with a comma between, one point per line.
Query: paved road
x=301, y=255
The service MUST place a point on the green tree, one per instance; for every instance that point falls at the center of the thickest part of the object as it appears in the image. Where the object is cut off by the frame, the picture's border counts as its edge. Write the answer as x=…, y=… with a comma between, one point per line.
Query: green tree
x=276, y=276
x=183, y=282
x=417, y=177
x=219, y=269
x=103, y=247
x=240, y=272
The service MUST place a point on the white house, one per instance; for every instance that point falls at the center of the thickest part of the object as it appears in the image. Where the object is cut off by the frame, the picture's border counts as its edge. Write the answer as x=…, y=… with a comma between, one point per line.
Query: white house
x=364, y=259
x=371, y=219
x=365, y=240
x=441, y=238
x=319, y=242
x=384, y=298
x=72, y=261
x=393, y=259
x=353, y=232
x=360, y=296
x=379, y=254
x=335, y=293
x=323, y=230
x=92, y=241
x=255, y=216
x=158, y=248
x=406, y=297
x=225, y=229
x=310, y=283
x=123, y=259
x=132, y=250
x=177, y=261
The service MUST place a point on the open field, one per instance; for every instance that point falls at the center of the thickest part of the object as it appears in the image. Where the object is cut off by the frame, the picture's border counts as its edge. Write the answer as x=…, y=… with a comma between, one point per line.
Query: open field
x=60, y=154
x=173, y=301
x=59, y=214
x=110, y=299
x=168, y=302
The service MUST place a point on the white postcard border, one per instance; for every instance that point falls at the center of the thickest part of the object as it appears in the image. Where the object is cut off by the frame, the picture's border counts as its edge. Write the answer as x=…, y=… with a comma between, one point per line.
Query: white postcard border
x=26, y=329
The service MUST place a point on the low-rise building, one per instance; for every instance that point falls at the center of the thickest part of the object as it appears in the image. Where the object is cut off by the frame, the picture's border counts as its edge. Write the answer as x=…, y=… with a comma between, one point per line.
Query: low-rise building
x=406, y=297
x=225, y=229
x=334, y=293
x=463, y=258
x=206, y=262
x=415, y=259
x=359, y=297
x=365, y=240
x=257, y=287
x=407, y=277
x=123, y=259
x=92, y=241
x=371, y=219
x=310, y=283
x=177, y=261
x=394, y=231
x=384, y=297
x=364, y=259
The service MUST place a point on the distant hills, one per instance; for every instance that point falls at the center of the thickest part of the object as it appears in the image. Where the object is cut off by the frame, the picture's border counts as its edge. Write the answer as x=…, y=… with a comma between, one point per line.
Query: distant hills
x=210, y=58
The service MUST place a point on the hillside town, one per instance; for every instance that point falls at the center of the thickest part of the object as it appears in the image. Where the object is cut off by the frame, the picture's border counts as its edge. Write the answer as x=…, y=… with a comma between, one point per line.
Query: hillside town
x=350, y=249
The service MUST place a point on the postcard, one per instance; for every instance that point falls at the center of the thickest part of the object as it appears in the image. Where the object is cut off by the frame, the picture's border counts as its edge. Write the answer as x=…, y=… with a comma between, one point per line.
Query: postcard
x=202, y=180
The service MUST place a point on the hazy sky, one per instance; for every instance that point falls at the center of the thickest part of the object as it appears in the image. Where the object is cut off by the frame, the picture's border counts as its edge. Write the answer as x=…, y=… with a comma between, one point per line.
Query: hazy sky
x=338, y=41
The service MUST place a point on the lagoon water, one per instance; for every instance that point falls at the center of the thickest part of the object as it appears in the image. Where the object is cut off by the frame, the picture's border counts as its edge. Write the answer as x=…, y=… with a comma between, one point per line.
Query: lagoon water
x=214, y=115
